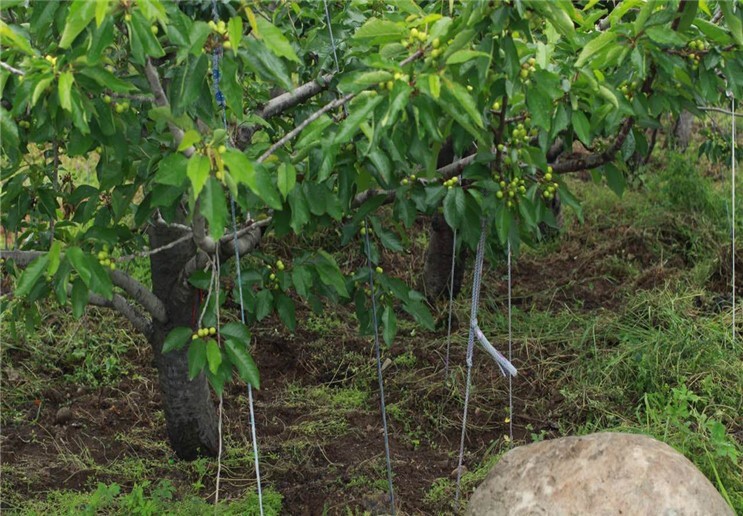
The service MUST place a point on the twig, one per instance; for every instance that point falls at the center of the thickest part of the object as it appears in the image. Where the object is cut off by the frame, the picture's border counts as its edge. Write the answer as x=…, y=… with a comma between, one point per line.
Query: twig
x=719, y=110
x=12, y=69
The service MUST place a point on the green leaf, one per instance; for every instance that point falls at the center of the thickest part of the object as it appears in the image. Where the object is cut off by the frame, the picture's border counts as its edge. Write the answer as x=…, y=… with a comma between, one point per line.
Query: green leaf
x=330, y=274
x=263, y=304
x=100, y=280
x=236, y=331
x=31, y=275
x=213, y=355
x=66, y=80
x=615, y=179
x=214, y=207
x=358, y=81
x=434, y=84
x=582, y=127
x=239, y=356
x=420, y=313
x=79, y=298
x=190, y=137
x=735, y=26
x=235, y=32
x=302, y=280
x=389, y=320
x=462, y=56
x=172, y=170
x=106, y=79
x=540, y=107
x=465, y=101
x=8, y=133
x=198, y=170
x=377, y=31
x=265, y=189
x=177, y=338
x=196, y=358
x=80, y=14
x=142, y=37
x=665, y=37
x=286, y=310
x=241, y=168
x=275, y=40
x=503, y=220
x=358, y=115
x=79, y=261
x=454, y=206
x=54, y=257
x=594, y=46
x=399, y=99
x=10, y=38
x=43, y=83
x=287, y=178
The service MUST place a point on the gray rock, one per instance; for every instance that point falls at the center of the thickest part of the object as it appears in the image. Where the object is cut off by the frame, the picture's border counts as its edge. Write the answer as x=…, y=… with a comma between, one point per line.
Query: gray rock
x=63, y=416
x=598, y=474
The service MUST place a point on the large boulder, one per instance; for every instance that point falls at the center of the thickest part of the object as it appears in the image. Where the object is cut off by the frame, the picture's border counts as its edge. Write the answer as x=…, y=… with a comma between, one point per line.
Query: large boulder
x=597, y=474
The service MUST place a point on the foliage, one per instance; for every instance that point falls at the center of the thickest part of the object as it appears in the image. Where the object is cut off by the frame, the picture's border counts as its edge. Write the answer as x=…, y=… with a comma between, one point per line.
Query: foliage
x=159, y=499
x=131, y=82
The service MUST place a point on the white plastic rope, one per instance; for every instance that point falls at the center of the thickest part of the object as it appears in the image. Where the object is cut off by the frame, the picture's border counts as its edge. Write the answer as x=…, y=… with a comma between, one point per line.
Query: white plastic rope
x=475, y=332
x=254, y=436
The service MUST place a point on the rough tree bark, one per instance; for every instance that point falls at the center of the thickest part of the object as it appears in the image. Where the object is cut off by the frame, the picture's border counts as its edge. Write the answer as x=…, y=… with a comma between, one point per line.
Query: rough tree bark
x=682, y=127
x=190, y=414
x=437, y=265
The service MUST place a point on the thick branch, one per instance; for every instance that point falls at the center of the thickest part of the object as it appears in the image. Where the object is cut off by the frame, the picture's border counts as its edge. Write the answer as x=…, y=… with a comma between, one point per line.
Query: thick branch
x=281, y=103
x=140, y=294
x=119, y=304
x=162, y=101
x=21, y=258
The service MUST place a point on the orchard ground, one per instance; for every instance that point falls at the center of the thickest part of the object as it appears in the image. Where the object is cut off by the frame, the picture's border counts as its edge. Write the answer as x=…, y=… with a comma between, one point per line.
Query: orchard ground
x=622, y=323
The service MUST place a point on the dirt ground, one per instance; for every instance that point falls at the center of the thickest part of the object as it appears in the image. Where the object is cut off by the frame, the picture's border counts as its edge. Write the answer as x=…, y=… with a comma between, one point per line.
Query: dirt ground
x=317, y=412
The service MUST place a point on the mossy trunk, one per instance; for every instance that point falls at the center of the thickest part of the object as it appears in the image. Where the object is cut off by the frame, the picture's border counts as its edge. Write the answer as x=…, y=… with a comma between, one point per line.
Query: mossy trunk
x=190, y=414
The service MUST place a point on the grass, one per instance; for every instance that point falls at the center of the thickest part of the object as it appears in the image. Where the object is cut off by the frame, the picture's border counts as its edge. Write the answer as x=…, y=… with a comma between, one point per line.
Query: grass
x=620, y=325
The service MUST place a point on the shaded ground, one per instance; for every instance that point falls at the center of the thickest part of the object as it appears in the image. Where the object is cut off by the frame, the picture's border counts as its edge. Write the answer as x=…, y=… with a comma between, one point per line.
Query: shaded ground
x=318, y=410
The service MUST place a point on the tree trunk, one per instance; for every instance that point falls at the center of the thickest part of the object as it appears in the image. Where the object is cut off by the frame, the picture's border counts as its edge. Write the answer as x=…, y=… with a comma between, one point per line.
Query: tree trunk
x=682, y=130
x=549, y=232
x=189, y=410
x=437, y=267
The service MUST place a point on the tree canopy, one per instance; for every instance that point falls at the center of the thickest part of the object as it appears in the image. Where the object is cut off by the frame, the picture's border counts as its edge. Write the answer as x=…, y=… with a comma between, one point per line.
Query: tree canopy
x=308, y=143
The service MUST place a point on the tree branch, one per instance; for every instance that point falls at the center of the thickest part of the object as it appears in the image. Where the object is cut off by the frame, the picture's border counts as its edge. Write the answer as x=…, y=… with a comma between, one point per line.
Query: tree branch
x=281, y=103
x=21, y=258
x=12, y=69
x=307, y=121
x=162, y=101
x=317, y=114
x=119, y=304
x=140, y=294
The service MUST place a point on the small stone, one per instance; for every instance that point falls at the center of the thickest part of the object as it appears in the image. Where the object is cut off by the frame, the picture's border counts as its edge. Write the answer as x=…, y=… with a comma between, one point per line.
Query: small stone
x=454, y=472
x=63, y=416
